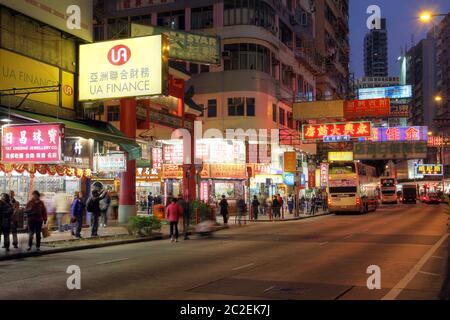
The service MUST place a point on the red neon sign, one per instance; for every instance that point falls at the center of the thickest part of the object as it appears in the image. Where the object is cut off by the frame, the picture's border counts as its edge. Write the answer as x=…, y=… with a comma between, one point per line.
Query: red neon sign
x=352, y=129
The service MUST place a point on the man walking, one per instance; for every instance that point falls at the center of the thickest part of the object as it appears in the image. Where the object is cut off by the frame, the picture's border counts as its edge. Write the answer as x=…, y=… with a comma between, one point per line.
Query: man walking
x=15, y=218
x=150, y=202
x=173, y=213
x=186, y=215
x=93, y=206
x=223, y=204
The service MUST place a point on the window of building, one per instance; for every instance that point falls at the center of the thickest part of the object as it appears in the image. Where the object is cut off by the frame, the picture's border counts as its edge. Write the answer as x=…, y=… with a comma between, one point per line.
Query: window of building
x=113, y=113
x=274, y=112
x=249, y=12
x=172, y=19
x=250, y=107
x=247, y=56
x=282, y=116
x=212, y=108
x=290, y=120
x=236, y=106
x=202, y=18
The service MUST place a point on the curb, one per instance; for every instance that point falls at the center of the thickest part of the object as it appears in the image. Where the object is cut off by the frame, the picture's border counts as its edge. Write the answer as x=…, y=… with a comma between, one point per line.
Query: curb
x=287, y=220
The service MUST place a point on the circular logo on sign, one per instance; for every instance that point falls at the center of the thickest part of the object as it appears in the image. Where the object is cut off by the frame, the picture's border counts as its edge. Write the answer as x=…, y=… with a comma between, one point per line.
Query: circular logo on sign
x=119, y=55
x=68, y=90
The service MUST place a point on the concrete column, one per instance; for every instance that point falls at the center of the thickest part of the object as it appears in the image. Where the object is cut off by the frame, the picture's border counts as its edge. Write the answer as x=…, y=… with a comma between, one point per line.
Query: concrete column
x=127, y=200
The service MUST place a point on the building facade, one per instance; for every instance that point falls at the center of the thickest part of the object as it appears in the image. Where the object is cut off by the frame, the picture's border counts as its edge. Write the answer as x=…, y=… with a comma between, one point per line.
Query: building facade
x=376, y=52
x=443, y=69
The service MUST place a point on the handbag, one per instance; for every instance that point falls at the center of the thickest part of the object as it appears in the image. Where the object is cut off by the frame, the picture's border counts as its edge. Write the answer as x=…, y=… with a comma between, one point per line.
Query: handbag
x=45, y=231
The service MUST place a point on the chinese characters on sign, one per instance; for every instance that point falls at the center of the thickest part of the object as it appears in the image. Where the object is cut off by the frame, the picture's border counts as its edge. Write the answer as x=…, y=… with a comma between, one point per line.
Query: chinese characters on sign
x=429, y=169
x=78, y=152
x=352, y=129
x=399, y=134
x=40, y=143
x=395, y=92
x=399, y=110
x=324, y=175
x=334, y=139
x=173, y=153
x=438, y=141
x=112, y=162
x=340, y=156
x=390, y=150
x=290, y=162
x=367, y=108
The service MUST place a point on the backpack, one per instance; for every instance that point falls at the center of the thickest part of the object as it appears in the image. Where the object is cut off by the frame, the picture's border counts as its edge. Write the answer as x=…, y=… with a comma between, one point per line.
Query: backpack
x=90, y=205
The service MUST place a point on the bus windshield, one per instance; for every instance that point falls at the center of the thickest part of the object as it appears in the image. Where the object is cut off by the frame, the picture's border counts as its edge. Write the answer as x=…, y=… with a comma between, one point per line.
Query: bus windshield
x=342, y=168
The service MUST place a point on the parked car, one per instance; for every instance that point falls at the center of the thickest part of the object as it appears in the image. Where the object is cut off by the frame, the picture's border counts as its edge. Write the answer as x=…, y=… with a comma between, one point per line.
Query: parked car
x=432, y=198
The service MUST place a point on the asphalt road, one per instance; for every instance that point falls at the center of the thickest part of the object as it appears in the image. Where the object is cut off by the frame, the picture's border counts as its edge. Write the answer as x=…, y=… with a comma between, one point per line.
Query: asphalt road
x=320, y=258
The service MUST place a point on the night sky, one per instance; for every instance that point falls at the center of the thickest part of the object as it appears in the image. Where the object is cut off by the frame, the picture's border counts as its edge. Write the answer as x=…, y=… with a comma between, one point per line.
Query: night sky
x=401, y=23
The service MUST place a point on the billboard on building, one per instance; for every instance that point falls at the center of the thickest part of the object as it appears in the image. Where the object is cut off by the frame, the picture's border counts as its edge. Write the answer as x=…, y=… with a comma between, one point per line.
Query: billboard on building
x=416, y=133
x=290, y=162
x=123, y=68
x=395, y=92
x=430, y=169
x=185, y=46
x=33, y=144
x=353, y=129
x=111, y=162
x=367, y=108
x=18, y=71
x=71, y=16
x=390, y=150
x=319, y=110
x=340, y=156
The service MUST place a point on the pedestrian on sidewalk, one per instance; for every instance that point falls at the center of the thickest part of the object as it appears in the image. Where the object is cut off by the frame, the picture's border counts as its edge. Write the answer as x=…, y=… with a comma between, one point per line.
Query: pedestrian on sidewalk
x=262, y=204
x=62, y=207
x=291, y=204
x=241, y=209
x=223, y=204
x=313, y=205
x=6, y=213
x=76, y=212
x=173, y=213
x=150, y=202
x=255, y=207
x=15, y=218
x=302, y=205
x=186, y=215
x=276, y=207
x=104, y=206
x=37, y=215
x=93, y=207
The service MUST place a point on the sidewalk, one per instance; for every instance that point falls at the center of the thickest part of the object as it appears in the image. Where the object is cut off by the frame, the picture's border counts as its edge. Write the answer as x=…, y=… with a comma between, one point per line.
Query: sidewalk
x=267, y=218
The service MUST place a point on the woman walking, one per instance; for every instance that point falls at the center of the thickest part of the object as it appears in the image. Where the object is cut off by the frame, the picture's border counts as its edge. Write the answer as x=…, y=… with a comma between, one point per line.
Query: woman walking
x=76, y=212
x=173, y=214
x=37, y=215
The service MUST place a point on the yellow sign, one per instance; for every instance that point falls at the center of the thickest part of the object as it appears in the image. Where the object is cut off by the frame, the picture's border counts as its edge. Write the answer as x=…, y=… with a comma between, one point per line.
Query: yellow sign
x=340, y=156
x=123, y=68
x=290, y=162
x=318, y=110
x=17, y=71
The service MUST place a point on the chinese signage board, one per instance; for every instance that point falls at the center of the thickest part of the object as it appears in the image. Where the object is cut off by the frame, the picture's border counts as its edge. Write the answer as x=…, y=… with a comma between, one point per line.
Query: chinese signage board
x=77, y=152
x=438, y=141
x=390, y=150
x=170, y=120
x=312, y=177
x=32, y=144
x=324, y=175
x=123, y=68
x=290, y=162
x=335, y=139
x=367, y=108
x=172, y=171
x=340, y=156
x=395, y=92
x=71, y=16
x=134, y=4
x=17, y=71
x=228, y=171
x=400, y=134
x=352, y=129
x=399, y=110
x=111, y=162
x=429, y=169
x=185, y=46
x=220, y=151
x=319, y=110
x=173, y=153
x=289, y=179
x=148, y=174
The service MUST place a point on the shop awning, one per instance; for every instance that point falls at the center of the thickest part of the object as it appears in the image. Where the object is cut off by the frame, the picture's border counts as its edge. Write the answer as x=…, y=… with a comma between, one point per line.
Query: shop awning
x=89, y=129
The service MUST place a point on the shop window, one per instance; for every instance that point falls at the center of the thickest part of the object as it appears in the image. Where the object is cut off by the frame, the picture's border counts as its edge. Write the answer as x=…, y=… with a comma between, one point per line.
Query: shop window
x=274, y=113
x=250, y=107
x=212, y=108
x=247, y=56
x=113, y=113
x=236, y=106
x=282, y=116
x=202, y=18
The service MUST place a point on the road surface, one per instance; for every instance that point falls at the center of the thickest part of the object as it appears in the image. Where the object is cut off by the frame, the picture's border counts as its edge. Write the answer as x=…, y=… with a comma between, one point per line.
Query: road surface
x=320, y=258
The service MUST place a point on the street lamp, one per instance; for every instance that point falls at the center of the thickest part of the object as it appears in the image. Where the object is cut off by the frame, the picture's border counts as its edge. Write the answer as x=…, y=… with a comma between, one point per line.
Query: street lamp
x=438, y=99
x=427, y=16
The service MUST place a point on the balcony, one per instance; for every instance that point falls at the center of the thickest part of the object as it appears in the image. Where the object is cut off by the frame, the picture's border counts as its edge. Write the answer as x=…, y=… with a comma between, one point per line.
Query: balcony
x=311, y=59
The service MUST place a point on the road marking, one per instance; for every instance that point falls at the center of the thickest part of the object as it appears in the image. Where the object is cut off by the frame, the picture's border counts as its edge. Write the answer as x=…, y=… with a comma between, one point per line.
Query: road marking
x=348, y=236
x=402, y=284
x=430, y=274
x=243, y=267
x=323, y=243
x=113, y=261
x=437, y=257
x=268, y=289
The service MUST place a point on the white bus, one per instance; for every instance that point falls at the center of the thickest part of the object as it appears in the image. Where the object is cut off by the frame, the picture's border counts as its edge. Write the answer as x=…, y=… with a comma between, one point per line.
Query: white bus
x=388, y=187
x=353, y=187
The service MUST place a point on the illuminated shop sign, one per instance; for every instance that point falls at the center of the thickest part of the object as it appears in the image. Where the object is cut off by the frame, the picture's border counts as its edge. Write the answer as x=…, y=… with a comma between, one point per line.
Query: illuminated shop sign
x=395, y=92
x=429, y=169
x=111, y=162
x=340, y=156
x=367, y=108
x=333, y=139
x=36, y=143
x=324, y=174
x=77, y=152
x=352, y=129
x=400, y=134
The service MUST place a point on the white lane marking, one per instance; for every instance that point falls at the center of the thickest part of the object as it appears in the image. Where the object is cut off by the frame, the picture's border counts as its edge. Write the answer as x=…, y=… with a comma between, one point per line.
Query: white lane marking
x=348, y=236
x=430, y=274
x=437, y=257
x=243, y=267
x=113, y=261
x=402, y=284
x=323, y=243
x=268, y=289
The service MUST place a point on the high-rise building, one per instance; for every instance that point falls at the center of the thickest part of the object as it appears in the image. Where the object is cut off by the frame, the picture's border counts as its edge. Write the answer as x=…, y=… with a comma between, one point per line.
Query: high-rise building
x=376, y=52
x=332, y=42
x=421, y=74
x=443, y=70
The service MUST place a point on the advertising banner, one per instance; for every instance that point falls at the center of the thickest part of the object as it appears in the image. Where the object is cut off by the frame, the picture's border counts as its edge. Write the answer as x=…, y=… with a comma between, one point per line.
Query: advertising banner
x=290, y=162
x=429, y=169
x=77, y=152
x=399, y=110
x=318, y=110
x=340, y=156
x=111, y=162
x=18, y=71
x=123, y=68
x=390, y=150
x=32, y=144
x=228, y=171
x=324, y=175
x=185, y=46
x=71, y=16
x=367, y=108
x=352, y=129
x=395, y=92
x=400, y=134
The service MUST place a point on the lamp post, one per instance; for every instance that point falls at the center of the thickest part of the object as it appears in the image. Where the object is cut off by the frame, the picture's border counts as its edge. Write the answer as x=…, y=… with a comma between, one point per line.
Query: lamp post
x=427, y=16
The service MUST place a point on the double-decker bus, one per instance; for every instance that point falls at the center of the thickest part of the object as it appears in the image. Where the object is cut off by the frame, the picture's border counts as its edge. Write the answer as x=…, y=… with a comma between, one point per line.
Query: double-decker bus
x=353, y=187
x=388, y=187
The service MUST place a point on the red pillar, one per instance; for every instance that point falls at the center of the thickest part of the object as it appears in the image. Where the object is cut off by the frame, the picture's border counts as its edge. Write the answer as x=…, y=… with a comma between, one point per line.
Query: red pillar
x=127, y=200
